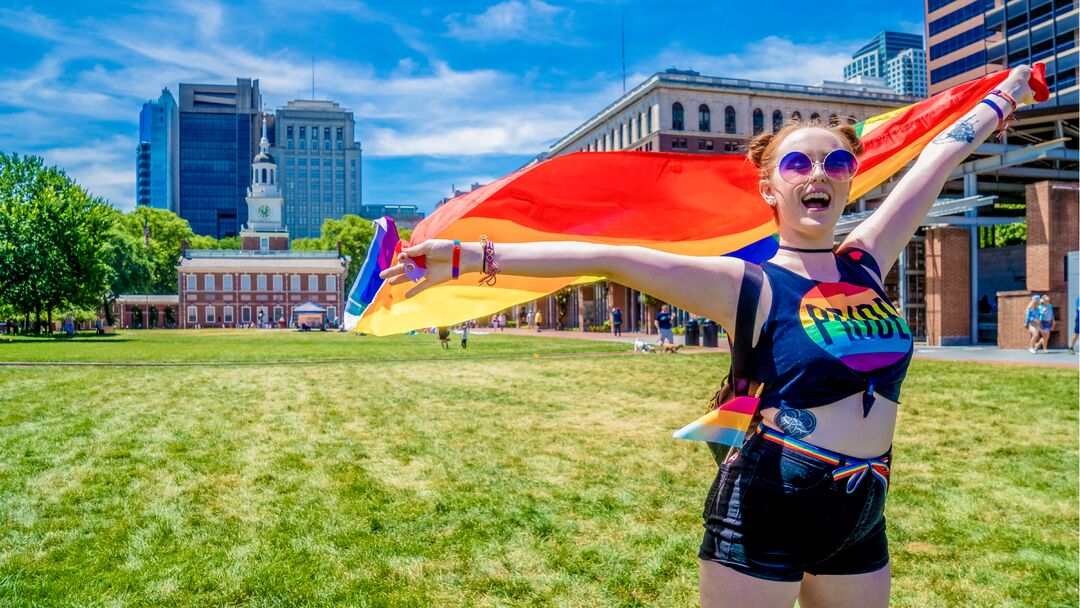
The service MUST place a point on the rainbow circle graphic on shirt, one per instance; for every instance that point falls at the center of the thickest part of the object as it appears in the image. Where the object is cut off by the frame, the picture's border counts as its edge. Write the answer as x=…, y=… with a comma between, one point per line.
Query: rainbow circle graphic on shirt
x=856, y=325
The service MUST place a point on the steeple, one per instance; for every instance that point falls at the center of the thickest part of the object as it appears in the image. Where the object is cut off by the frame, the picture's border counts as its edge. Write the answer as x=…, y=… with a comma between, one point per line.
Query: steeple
x=264, y=196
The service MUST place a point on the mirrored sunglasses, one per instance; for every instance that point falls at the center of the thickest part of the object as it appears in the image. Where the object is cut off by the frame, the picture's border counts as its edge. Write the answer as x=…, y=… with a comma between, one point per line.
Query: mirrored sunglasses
x=839, y=165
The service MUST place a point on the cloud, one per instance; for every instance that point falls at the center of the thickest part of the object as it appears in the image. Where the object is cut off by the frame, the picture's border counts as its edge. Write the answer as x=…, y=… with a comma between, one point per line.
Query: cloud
x=106, y=168
x=772, y=59
x=531, y=21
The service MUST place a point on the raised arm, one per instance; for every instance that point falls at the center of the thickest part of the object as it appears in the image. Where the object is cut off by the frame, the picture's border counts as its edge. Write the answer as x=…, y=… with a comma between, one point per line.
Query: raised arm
x=887, y=231
x=705, y=286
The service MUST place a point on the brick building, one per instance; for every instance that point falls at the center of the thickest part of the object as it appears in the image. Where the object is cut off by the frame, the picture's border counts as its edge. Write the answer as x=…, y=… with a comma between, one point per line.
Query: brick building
x=261, y=283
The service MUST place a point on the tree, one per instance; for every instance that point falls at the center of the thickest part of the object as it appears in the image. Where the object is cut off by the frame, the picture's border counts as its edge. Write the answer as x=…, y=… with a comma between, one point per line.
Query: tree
x=166, y=232
x=52, y=239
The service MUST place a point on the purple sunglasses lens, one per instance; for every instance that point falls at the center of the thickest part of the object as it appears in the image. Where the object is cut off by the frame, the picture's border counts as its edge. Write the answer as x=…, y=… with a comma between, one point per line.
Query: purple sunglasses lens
x=795, y=166
x=840, y=165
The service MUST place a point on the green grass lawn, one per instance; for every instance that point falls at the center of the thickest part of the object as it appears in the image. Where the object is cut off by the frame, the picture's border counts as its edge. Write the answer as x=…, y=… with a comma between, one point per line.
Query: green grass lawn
x=465, y=481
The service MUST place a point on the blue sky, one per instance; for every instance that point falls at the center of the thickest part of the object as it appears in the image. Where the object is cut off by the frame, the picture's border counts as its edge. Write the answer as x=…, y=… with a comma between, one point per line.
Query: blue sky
x=443, y=93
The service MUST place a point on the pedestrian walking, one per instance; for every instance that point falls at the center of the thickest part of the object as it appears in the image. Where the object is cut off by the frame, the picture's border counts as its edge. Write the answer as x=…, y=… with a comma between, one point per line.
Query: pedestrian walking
x=616, y=321
x=1046, y=321
x=663, y=326
x=1033, y=323
x=465, y=334
x=538, y=319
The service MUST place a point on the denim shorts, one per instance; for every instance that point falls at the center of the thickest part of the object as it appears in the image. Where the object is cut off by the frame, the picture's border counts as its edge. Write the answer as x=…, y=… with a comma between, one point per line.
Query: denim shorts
x=667, y=335
x=782, y=508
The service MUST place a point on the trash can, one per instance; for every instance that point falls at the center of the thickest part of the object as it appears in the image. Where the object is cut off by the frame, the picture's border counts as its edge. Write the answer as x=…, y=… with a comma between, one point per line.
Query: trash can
x=708, y=334
x=690, y=337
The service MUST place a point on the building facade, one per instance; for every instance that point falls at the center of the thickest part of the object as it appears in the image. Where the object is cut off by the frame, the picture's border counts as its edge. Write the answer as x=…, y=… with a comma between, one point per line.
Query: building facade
x=894, y=57
x=320, y=159
x=263, y=283
x=157, y=162
x=968, y=39
x=404, y=216
x=219, y=134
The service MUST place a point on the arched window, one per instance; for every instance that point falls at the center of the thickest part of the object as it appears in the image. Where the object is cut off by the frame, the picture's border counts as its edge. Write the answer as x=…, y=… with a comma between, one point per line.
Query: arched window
x=677, y=123
x=777, y=120
x=796, y=115
x=759, y=121
x=729, y=120
x=704, y=121
x=852, y=120
x=815, y=117
x=833, y=120
x=264, y=176
x=271, y=177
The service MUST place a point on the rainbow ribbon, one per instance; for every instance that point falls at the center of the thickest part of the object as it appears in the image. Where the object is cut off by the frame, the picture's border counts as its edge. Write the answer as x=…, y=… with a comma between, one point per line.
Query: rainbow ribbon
x=856, y=472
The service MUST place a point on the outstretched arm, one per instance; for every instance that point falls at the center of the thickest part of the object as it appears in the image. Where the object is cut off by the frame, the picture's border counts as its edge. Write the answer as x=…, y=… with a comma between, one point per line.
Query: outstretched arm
x=887, y=231
x=706, y=286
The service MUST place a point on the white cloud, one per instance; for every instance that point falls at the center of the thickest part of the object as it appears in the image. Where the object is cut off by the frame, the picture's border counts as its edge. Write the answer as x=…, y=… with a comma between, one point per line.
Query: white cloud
x=106, y=168
x=529, y=21
x=771, y=59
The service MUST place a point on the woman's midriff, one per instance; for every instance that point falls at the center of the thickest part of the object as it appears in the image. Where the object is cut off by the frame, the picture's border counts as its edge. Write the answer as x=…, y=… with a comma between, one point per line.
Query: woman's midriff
x=842, y=428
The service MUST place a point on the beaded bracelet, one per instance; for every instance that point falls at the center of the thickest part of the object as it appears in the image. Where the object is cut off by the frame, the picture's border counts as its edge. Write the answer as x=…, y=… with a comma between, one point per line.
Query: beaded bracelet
x=1006, y=97
x=455, y=269
x=489, y=266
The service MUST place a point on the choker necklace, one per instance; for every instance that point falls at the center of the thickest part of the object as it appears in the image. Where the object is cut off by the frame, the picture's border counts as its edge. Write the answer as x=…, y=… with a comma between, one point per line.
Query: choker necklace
x=800, y=250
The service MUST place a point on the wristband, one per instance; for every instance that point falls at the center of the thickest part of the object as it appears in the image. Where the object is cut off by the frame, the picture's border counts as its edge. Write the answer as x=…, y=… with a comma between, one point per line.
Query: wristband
x=997, y=110
x=1006, y=97
x=455, y=270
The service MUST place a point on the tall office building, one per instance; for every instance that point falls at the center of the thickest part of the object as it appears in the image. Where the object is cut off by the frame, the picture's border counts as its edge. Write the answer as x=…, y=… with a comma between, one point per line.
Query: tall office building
x=157, y=179
x=319, y=157
x=894, y=57
x=219, y=135
x=971, y=38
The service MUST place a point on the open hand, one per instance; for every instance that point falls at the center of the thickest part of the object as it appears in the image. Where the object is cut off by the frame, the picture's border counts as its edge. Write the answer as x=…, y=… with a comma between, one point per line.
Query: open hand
x=438, y=254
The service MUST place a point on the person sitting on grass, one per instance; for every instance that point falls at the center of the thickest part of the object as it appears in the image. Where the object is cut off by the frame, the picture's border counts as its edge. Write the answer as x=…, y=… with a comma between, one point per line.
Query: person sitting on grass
x=798, y=511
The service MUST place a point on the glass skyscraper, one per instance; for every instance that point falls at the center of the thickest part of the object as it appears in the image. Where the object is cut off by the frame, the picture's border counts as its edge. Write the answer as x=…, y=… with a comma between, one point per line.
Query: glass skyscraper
x=157, y=158
x=971, y=38
x=319, y=158
x=895, y=57
x=219, y=135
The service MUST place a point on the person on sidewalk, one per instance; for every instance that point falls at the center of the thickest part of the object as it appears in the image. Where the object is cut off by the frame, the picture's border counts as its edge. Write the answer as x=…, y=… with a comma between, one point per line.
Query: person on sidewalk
x=616, y=321
x=1076, y=326
x=1046, y=321
x=663, y=326
x=1032, y=321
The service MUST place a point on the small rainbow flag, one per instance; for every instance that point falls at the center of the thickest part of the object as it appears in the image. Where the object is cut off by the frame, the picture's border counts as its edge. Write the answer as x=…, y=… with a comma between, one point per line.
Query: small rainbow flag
x=725, y=425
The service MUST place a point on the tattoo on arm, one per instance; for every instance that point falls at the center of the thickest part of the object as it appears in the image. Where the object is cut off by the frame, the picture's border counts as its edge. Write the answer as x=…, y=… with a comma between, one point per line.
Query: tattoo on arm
x=963, y=131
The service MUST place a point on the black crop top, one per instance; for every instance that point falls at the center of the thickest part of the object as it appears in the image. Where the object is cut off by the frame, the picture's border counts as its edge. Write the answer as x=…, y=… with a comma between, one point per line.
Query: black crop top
x=825, y=341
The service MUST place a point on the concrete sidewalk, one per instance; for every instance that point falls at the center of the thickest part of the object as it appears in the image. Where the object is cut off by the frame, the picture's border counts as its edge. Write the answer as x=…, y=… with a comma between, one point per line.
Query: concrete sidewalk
x=976, y=354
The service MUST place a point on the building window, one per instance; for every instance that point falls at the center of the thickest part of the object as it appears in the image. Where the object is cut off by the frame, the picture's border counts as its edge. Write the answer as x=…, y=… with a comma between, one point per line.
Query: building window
x=729, y=120
x=192, y=282
x=326, y=133
x=678, y=143
x=677, y=117
x=226, y=282
x=294, y=282
x=796, y=115
x=313, y=282
x=331, y=313
x=264, y=244
x=303, y=133
x=704, y=122
x=341, y=134
x=192, y=315
x=759, y=121
x=279, y=314
x=260, y=282
x=288, y=132
x=303, y=144
x=326, y=144
x=705, y=144
x=227, y=316
x=245, y=314
x=777, y=120
x=208, y=282
x=815, y=117
x=833, y=120
x=245, y=282
x=331, y=282
x=278, y=283
x=211, y=315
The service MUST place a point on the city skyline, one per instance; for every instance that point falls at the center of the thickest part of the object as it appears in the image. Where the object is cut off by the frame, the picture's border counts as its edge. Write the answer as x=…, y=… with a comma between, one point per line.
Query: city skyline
x=440, y=98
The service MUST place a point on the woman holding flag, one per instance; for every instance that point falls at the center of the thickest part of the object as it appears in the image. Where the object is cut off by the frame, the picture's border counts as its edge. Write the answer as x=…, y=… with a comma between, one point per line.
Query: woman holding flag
x=798, y=513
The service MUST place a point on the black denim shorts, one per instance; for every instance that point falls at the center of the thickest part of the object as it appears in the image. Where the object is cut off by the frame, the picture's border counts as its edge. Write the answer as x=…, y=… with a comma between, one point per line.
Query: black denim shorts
x=775, y=513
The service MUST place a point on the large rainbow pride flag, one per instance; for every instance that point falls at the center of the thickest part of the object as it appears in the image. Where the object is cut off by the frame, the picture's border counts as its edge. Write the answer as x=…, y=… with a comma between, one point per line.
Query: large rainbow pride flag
x=689, y=204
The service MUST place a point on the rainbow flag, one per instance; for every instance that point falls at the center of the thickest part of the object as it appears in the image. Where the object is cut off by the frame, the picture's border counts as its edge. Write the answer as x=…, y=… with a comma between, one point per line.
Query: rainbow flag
x=726, y=424
x=380, y=256
x=702, y=205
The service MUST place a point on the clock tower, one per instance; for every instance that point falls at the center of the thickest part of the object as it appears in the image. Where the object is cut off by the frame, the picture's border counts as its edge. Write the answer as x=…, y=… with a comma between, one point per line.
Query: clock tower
x=265, y=229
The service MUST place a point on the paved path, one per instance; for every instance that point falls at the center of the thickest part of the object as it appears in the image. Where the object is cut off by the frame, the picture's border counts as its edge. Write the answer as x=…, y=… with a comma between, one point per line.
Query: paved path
x=978, y=354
